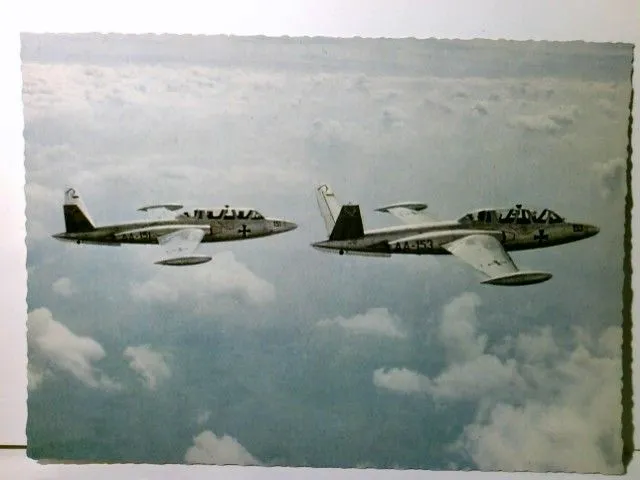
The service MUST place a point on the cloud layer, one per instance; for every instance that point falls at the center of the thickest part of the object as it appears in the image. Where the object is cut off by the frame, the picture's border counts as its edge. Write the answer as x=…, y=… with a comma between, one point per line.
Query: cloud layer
x=540, y=407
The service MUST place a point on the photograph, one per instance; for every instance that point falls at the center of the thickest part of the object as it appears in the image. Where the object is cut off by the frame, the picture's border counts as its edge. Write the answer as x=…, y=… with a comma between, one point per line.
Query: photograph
x=359, y=253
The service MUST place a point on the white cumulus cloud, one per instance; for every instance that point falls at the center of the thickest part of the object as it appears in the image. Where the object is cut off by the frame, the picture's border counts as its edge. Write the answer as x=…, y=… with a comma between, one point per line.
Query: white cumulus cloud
x=467, y=381
x=375, y=321
x=401, y=380
x=545, y=408
x=457, y=329
x=572, y=423
x=475, y=379
x=52, y=343
x=149, y=364
x=208, y=448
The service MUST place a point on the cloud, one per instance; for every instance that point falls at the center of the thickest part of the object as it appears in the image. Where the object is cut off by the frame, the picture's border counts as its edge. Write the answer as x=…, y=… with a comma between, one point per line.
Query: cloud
x=52, y=343
x=401, y=380
x=36, y=375
x=375, y=321
x=609, y=343
x=392, y=118
x=39, y=199
x=543, y=409
x=536, y=347
x=475, y=379
x=457, y=329
x=471, y=373
x=204, y=287
x=386, y=96
x=149, y=364
x=554, y=123
x=468, y=381
x=612, y=176
x=435, y=107
x=360, y=83
x=63, y=286
x=328, y=132
x=39, y=194
x=480, y=108
x=607, y=107
x=567, y=420
x=210, y=449
x=162, y=117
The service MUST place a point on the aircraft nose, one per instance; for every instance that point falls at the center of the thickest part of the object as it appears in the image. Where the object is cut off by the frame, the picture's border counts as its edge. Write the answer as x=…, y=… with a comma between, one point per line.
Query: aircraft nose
x=283, y=225
x=591, y=230
x=288, y=226
x=585, y=230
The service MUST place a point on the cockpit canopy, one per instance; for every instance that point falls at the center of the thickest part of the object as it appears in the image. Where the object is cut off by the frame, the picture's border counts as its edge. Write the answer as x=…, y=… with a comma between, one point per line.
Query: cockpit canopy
x=518, y=215
x=226, y=213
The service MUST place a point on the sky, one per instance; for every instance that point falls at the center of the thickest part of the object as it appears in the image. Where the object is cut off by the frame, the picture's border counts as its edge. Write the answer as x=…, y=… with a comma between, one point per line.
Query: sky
x=274, y=353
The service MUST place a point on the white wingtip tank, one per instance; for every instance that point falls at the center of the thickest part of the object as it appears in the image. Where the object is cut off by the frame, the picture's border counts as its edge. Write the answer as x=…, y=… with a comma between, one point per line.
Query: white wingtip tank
x=76, y=216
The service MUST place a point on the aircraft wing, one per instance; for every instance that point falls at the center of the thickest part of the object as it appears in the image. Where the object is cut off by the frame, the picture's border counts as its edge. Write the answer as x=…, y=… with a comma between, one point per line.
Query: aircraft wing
x=485, y=253
x=411, y=213
x=180, y=246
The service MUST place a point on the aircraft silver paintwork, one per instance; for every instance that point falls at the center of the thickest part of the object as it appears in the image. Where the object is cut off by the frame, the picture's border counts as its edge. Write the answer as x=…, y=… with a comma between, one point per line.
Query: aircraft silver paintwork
x=480, y=238
x=179, y=236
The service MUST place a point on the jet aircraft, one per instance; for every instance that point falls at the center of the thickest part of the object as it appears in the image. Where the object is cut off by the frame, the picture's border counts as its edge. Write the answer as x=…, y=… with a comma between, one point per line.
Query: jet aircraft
x=480, y=238
x=179, y=235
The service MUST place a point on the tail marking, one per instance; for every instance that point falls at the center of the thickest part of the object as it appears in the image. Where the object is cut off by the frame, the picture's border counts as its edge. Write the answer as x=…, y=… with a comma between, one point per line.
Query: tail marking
x=76, y=217
x=349, y=224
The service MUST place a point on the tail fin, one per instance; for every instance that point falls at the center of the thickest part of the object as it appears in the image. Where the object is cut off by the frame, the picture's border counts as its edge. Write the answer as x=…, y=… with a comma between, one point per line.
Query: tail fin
x=348, y=225
x=329, y=206
x=76, y=217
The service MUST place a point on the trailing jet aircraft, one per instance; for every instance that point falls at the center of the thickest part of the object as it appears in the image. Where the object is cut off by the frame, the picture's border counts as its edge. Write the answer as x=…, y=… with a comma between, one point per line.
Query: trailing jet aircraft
x=179, y=236
x=480, y=238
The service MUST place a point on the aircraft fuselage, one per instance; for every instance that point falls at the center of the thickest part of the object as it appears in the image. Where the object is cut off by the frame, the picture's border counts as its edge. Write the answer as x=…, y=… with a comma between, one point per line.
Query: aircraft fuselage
x=148, y=232
x=397, y=240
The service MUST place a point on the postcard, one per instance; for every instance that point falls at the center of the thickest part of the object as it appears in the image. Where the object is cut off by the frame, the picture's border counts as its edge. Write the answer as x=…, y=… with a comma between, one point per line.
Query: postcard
x=326, y=252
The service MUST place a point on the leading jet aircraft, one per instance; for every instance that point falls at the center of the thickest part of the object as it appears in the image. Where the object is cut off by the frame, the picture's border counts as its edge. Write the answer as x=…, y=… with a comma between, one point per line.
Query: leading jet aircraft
x=179, y=236
x=480, y=238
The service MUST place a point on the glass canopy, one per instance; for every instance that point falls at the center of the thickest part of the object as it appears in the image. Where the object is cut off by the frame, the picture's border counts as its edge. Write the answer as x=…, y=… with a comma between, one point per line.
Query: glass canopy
x=519, y=215
x=225, y=214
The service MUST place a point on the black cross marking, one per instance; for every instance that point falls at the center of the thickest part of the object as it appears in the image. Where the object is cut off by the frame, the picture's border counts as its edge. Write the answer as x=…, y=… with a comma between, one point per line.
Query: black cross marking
x=541, y=236
x=244, y=230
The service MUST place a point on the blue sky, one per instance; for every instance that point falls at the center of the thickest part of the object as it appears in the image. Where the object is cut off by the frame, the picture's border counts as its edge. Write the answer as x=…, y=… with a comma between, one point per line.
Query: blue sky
x=277, y=354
